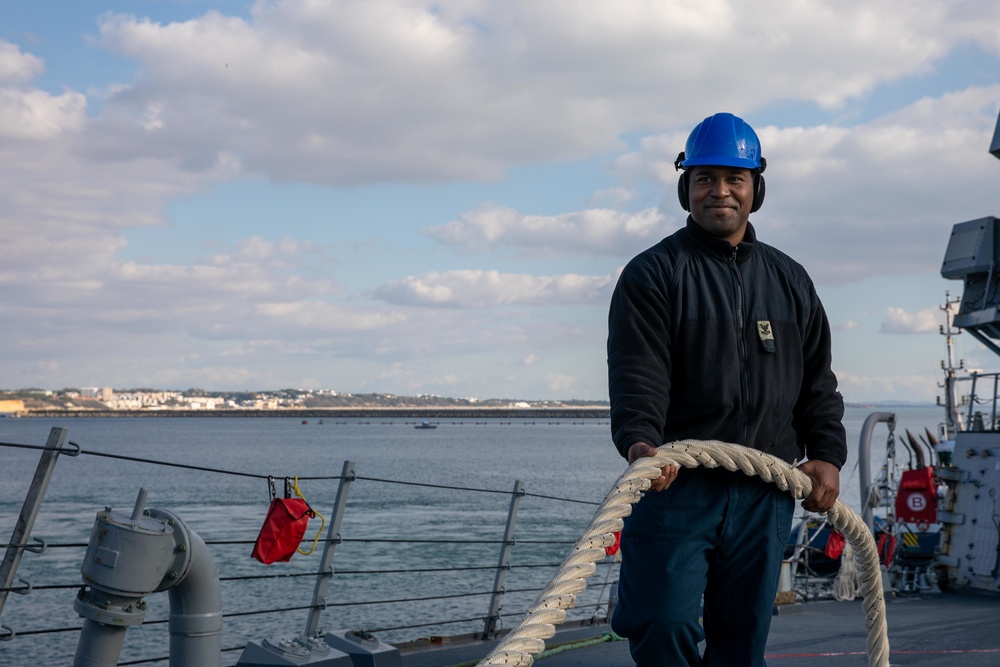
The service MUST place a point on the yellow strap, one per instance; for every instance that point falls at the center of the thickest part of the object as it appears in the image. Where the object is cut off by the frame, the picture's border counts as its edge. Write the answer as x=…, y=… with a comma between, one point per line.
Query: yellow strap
x=298, y=492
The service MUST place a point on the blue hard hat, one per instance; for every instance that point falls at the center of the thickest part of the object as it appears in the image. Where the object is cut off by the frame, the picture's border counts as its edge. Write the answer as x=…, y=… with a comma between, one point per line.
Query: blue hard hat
x=722, y=140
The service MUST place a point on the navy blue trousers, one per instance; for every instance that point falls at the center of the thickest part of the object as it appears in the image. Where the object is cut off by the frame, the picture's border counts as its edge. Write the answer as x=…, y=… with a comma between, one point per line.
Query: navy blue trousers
x=715, y=534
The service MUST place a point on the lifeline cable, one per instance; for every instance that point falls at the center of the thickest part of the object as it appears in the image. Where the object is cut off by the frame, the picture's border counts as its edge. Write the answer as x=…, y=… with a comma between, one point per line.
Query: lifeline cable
x=528, y=638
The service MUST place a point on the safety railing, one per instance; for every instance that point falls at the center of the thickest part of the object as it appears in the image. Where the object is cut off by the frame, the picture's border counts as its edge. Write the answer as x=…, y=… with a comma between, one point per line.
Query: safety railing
x=470, y=563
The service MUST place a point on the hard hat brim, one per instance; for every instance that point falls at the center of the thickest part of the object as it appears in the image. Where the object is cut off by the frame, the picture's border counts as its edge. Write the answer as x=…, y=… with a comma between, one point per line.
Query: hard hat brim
x=720, y=161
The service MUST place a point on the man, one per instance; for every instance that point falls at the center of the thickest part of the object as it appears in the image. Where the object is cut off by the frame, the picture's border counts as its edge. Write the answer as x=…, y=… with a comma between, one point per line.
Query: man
x=714, y=335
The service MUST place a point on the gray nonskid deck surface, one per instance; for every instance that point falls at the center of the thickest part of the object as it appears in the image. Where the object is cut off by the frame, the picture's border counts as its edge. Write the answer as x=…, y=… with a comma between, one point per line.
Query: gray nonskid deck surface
x=932, y=631
x=607, y=654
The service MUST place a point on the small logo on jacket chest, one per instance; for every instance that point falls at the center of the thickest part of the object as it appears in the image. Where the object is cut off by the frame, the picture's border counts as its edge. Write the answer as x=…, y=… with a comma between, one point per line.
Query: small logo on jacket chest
x=766, y=334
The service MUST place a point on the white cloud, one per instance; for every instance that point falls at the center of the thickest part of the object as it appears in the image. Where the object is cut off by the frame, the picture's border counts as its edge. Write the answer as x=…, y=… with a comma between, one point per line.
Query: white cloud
x=17, y=67
x=354, y=92
x=562, y=385
x=31, y=115
x=906, y=386
x=256, y=249
x=487, y=289
x=898, y=321
x=598, y=232
x=612, y=197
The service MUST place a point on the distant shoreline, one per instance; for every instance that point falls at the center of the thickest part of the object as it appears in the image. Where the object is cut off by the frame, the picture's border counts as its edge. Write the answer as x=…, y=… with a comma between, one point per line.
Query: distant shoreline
x=371, y=412
x=595, y=412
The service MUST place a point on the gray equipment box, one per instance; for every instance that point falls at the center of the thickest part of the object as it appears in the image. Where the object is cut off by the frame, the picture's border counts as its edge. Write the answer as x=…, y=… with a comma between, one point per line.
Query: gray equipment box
x=973, y=256
x=972, y=248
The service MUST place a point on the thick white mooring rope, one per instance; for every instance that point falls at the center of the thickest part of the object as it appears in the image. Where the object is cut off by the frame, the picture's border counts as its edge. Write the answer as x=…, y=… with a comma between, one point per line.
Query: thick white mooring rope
x=528, y=638
x=847, y=583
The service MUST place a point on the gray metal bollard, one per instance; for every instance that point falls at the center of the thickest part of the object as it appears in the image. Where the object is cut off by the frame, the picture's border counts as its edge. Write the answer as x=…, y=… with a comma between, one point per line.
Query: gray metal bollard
x=292, y=651
x=365, y=649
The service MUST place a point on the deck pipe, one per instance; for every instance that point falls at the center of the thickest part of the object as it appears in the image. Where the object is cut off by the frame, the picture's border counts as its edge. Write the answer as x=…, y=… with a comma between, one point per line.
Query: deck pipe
x=130, y=557
x=864, y=461
x=196, y=611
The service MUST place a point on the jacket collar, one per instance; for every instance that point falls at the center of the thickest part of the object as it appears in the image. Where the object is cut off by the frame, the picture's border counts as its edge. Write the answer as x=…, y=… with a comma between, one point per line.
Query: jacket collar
x=720, y=247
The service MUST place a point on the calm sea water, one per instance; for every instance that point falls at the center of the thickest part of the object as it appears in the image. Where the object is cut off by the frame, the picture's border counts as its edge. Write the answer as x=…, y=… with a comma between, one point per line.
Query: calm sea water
x=564, y=459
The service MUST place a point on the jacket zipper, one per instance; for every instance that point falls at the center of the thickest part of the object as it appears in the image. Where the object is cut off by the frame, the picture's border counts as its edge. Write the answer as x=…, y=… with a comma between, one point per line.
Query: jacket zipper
x=741, y=342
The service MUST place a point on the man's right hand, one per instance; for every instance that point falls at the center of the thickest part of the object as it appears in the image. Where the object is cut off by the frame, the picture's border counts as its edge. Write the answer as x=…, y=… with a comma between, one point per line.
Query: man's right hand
x=669, y=472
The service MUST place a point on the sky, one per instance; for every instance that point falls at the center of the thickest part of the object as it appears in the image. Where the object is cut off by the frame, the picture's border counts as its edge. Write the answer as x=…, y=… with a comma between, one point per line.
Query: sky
x=416, y=197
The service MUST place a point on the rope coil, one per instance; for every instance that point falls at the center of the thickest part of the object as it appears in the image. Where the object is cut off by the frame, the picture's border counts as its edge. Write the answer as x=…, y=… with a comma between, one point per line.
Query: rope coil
x=527, y=639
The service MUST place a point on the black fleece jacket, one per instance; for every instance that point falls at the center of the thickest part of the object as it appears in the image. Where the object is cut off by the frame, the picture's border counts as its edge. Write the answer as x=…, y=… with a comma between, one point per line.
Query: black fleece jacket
x=711, y=342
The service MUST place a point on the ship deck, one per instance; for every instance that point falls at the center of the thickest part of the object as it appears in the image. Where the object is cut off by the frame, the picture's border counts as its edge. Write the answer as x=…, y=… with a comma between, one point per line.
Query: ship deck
x=935, y=630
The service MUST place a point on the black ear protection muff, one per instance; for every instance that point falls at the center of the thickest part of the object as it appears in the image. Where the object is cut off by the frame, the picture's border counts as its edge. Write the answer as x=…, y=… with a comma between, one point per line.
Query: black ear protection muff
x=758, y=185
x=682, y=190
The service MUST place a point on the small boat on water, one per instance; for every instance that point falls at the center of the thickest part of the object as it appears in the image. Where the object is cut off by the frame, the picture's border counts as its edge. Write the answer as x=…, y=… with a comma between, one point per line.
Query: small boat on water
x=425, y=424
